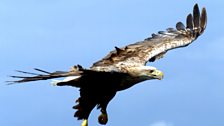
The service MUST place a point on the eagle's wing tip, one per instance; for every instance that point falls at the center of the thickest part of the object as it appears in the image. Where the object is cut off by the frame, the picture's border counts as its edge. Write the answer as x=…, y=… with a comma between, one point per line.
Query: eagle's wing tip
x=197, y=21
x=203, y=18
x=196, y=6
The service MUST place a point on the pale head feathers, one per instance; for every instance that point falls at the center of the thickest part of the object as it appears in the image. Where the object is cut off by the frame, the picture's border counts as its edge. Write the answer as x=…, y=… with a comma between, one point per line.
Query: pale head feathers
x=146, y=72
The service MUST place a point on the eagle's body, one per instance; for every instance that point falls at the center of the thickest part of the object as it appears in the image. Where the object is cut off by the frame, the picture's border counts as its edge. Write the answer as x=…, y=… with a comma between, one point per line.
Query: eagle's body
x=123, y=67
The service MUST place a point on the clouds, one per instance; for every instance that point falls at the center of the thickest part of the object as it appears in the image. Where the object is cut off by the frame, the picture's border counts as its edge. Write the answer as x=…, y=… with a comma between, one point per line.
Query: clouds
x=161, y=123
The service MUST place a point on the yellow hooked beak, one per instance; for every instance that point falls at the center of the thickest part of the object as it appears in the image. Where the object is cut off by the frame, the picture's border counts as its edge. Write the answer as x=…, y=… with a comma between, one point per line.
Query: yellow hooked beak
x=158, y=74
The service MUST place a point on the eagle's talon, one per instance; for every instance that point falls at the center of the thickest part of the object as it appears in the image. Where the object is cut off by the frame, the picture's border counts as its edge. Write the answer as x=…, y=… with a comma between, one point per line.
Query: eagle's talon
x=103, y=119
x=85, y=122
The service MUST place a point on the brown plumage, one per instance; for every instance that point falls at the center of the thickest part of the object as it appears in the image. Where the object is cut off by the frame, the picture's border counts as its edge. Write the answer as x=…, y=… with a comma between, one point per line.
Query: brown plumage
x=122, y=67
x=139, y=53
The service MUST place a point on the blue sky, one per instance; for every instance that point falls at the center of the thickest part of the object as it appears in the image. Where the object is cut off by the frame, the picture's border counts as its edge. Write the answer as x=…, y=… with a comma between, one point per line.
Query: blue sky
x=56, y=34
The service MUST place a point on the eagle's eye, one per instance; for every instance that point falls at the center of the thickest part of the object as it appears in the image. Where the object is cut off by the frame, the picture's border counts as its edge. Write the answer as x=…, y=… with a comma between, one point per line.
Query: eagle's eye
x=151, y=71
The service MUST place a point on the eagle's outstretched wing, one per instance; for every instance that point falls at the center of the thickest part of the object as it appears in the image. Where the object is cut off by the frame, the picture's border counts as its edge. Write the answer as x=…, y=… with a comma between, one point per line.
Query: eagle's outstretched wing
x=152, y=48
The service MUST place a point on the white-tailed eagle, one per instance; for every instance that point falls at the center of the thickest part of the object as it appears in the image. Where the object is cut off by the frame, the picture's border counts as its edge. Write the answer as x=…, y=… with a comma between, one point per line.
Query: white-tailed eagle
x=122, y=67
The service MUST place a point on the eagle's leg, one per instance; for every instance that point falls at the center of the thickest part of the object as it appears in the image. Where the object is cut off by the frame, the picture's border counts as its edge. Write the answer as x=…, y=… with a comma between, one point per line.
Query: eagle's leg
x=103, y=117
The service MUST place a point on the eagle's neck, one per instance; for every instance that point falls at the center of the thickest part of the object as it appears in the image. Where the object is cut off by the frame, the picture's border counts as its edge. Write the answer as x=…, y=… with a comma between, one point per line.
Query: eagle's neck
x=136, y=75
x=130, y=81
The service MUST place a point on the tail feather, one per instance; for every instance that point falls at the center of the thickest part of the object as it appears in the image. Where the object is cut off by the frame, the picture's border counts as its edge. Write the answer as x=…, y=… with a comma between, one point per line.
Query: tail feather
x=41, y=70
x=45, y=76
x=27, y=72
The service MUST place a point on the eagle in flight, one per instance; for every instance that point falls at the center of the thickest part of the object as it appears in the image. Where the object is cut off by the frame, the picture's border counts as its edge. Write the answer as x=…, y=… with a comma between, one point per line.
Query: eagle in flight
x=121, y=68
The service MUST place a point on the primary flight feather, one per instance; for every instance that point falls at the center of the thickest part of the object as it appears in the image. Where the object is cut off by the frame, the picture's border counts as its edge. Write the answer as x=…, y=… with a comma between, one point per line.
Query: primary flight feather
x=122, y=68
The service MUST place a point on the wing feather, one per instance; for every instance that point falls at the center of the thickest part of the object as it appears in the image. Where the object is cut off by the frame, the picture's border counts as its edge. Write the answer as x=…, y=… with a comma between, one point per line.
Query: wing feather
x=196, y=16
x=203, y=19
x=140, y=53
x=190, y=23
x=180, y=26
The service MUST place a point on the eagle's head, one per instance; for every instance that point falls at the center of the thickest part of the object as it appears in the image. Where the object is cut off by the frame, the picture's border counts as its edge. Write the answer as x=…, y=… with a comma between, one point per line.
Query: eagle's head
x=147, y=73
x=151, y=73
